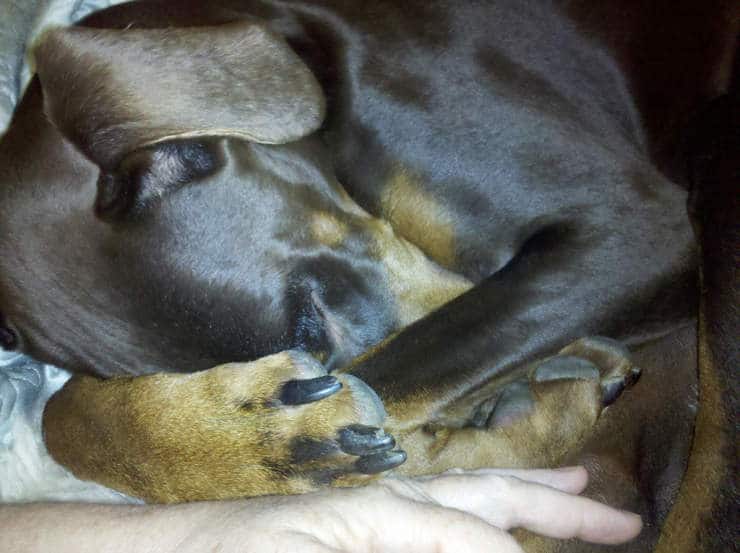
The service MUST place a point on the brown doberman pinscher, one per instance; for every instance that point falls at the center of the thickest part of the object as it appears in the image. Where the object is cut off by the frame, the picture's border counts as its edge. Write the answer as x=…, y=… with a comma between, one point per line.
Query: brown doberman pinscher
x=387, y=225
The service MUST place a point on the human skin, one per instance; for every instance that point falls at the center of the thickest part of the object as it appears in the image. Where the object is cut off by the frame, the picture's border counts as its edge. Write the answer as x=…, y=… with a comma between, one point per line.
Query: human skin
x=457, y=511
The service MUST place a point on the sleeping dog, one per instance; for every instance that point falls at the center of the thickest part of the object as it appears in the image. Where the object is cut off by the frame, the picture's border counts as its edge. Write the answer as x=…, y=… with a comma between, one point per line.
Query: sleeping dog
x=289, y=245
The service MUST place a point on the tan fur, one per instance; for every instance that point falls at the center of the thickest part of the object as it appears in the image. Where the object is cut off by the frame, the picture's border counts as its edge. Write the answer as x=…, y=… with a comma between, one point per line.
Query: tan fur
x=643, y=437
x=207, y=435
x=704, y=474
x=326, y=229
x=419, y=284
x=221, y=434
x=417, y=216
x=564, y=415
x=565, y=411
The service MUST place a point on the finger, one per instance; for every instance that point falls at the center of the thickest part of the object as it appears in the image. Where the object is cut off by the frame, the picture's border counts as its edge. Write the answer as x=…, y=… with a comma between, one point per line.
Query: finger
x=508, y=502
x=571, y=480
x=559, y=515
x=379, y=518
x=430, y=528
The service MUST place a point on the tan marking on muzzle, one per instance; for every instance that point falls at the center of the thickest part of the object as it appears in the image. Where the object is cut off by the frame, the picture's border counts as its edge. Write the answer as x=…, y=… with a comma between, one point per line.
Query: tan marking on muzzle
x=418, y=284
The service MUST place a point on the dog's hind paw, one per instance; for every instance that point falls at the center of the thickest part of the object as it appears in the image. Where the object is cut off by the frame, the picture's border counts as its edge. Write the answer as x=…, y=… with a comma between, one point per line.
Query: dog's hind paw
x=612, y=360
x=535, y=419
x=596, y=358
x=601, y=361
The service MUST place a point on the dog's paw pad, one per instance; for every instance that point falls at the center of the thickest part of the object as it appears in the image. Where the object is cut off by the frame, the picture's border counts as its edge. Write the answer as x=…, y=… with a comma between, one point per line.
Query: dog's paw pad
x=566, y=367
x=515, y=402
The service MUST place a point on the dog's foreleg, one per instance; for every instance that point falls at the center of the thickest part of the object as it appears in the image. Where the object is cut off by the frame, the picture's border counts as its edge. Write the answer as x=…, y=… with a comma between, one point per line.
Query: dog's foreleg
x=278, y=425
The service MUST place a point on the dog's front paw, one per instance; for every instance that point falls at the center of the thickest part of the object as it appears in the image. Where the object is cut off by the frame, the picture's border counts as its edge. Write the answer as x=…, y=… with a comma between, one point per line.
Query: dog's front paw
x=319, y=429
x=280, y=424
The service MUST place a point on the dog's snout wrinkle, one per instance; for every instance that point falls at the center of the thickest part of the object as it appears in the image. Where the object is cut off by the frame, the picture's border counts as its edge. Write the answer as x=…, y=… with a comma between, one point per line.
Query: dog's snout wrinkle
x=341, y=338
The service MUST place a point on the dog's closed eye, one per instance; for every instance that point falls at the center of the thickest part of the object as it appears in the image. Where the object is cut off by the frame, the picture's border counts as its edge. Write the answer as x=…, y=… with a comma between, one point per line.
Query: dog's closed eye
x=149, y=174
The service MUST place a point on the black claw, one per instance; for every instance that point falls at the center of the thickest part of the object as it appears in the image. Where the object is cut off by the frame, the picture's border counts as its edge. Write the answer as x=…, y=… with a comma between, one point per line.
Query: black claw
x=633, y=376
x=298, y=392
x=611, y=390
x=380, y=462
x=358, y=439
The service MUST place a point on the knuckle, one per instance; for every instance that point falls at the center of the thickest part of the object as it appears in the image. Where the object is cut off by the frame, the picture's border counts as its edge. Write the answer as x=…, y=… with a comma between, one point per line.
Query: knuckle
x=405, y=489
x=386, y=491
x=504, y=486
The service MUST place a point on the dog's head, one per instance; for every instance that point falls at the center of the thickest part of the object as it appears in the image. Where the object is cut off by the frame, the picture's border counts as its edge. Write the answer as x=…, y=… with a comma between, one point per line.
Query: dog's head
x=168, y=208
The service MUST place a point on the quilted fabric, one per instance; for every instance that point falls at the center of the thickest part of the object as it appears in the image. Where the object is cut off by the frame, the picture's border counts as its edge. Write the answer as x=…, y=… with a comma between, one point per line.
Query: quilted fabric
x=27, y=472
x=22, y=21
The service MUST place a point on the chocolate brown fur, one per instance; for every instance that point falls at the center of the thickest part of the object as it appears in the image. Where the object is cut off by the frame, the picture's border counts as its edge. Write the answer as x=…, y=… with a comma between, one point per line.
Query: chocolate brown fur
x=473, y=202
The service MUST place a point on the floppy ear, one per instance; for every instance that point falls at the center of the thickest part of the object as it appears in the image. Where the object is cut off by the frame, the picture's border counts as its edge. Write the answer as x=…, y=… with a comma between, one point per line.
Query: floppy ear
x=112, y=92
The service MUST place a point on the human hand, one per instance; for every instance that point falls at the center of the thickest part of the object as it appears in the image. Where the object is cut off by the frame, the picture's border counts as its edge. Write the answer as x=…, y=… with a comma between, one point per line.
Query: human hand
x=459, y=511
